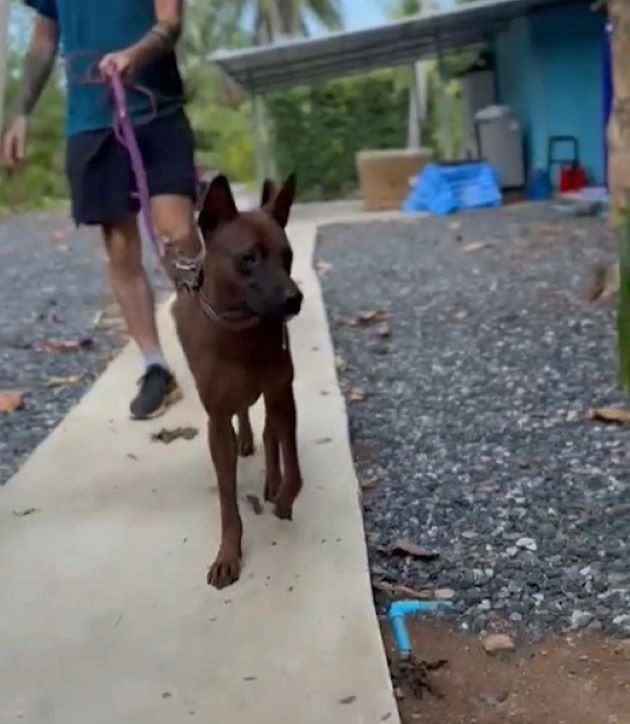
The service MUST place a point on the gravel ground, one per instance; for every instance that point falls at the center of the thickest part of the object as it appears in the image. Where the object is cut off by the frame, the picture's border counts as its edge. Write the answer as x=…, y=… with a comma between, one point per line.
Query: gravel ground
x=52, y=288
x=473, y=439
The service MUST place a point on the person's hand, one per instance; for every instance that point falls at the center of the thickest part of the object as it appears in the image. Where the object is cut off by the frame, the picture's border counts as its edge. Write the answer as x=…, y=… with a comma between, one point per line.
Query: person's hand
x=14, y=143
x=120, y=62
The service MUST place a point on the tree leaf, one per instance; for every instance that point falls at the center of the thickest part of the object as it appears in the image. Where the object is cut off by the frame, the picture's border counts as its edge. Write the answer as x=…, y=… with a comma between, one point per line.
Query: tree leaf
x=11, y=401
x=357, y=394
x=473, y=246
x=612, y=415
x=64, y=381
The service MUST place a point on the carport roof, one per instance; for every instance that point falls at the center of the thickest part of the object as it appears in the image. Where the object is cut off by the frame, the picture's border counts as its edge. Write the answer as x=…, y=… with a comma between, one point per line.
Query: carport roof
x=260, y=70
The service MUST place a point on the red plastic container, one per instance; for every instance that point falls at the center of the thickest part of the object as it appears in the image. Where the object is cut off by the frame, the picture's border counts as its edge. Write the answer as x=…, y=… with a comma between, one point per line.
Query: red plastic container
x=572, y=178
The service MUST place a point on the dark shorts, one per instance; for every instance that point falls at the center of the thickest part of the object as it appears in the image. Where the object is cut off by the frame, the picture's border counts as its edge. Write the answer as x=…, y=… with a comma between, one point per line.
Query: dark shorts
x=102, y=184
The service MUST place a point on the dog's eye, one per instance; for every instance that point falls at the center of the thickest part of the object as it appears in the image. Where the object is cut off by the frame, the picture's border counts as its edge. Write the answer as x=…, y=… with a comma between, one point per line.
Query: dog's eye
x=249, y=258
x=247, y=261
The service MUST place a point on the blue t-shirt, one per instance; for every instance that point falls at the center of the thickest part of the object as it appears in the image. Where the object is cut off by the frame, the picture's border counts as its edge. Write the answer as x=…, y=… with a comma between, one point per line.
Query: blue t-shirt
x=88, y=30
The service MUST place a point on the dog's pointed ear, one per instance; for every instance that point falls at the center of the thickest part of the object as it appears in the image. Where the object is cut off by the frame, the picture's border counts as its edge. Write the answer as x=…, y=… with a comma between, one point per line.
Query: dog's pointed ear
x=218, y=206
x=269, y=193
x=283, y=202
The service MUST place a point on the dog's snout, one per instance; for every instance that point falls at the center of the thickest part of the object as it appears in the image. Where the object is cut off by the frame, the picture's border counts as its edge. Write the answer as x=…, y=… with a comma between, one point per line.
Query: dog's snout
x=293, y=300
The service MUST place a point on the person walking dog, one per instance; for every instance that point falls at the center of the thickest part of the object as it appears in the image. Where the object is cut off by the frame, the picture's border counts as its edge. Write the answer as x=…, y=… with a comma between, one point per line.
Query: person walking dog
x=136, y=40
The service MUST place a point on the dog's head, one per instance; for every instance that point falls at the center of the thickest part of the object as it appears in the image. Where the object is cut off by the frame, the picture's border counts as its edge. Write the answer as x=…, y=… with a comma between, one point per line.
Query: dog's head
x=248, y=256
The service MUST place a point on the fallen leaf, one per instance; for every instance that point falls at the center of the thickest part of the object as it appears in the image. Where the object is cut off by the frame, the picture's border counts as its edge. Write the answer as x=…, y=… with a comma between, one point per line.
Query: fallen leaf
x=473, y=246
x=64, y=381
x=357, y=394
x=460, y=315
x=168, y=436
x=404, y=547
x=348, y=700
x=11, y=401
x=400, y=591
x=340, y=363
x=24, y=513
x=455, y=225
x=612, y=415
x=374, y=316
x=60, y=235
x=54, y=346
x=257, y=506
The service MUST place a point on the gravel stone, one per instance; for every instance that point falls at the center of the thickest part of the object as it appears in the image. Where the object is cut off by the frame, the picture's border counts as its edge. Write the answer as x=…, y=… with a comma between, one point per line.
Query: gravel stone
x=53, y=286
x=476, y=413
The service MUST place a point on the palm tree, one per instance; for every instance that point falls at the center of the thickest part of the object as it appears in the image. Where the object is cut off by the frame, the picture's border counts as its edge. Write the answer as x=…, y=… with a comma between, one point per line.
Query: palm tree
x=274, y=19
x=619, y=167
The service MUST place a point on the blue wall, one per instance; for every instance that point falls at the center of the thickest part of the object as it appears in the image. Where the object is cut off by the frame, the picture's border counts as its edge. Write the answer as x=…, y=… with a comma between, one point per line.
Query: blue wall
x=550, y=71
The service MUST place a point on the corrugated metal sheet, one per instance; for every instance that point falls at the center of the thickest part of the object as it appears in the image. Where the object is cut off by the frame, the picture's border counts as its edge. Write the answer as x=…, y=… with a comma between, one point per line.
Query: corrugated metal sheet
x=260, y=70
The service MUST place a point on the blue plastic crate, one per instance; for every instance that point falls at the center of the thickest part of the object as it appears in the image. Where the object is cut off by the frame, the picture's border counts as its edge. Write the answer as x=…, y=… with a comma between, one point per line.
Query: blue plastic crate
x=444, y=189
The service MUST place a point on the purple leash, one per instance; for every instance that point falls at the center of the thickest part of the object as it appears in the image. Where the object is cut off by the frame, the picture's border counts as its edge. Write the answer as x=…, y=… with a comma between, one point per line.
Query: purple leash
x=126, y=135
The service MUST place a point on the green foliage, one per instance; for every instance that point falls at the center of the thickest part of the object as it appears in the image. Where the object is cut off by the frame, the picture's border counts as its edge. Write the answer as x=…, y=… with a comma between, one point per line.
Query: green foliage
x=42, y=181
x=317, y=130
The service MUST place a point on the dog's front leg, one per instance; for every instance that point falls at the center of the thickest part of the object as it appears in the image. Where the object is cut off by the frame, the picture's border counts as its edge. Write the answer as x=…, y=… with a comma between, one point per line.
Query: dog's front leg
x=283, y=419
x=227, y=566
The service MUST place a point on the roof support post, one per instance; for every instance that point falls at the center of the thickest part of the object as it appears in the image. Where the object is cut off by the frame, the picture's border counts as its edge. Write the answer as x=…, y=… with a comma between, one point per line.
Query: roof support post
x=265, y=162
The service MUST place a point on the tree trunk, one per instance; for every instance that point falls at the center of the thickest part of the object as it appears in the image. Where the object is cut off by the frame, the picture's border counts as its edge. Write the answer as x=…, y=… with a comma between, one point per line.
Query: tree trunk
x=619, y=170
x=4, y=54
x=619, y=130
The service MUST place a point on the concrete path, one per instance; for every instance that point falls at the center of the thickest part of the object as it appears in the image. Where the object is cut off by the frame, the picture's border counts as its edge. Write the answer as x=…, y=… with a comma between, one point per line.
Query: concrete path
x=105, y=616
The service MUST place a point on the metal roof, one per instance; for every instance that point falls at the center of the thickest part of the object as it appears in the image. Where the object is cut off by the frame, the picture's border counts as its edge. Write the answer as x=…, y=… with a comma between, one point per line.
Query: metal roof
x=264, y=69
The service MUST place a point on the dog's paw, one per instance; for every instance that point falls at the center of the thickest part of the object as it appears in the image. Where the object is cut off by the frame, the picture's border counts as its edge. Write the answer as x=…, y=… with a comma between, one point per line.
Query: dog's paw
x=283, y=509
x=224, y=571
x=246, y=447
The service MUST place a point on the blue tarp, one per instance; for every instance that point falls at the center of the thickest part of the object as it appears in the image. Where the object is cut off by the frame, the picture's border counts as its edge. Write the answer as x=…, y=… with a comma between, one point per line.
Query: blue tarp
x=442, y=190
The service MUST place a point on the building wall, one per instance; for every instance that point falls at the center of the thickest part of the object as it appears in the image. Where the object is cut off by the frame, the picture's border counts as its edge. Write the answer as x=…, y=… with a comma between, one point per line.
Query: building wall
x=550, y=71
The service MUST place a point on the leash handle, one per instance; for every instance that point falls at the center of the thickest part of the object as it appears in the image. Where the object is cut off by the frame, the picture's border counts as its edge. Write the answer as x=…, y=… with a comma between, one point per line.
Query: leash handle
x=126, y=135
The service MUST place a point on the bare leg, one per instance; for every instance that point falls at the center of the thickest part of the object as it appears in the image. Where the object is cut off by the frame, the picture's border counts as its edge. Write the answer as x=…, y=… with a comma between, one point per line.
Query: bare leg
x=227, y=567
x=245, y=434
x=130, y=284
x=284, y=421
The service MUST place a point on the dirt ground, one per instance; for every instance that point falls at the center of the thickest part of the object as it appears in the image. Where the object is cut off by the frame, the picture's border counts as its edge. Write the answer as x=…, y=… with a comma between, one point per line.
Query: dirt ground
x=566, y=680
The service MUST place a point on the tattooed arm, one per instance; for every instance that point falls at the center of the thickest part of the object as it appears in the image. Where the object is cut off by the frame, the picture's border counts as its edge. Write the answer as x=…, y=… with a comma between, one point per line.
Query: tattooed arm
x=160, y=39
x=39, y=63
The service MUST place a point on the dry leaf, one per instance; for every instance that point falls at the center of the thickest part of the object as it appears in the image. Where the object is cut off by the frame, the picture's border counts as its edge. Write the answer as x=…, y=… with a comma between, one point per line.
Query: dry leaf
x=405, y=547
x=60, y=235
x=455, y=225
x=64, y=381
x=374, y=316
x=24, y=513
x=398, y=590
x=11, y=401
x=168, y=436
x=460, y=315
x=613, y=415
x=473, y=246
x=54, y=346
x=357, y=394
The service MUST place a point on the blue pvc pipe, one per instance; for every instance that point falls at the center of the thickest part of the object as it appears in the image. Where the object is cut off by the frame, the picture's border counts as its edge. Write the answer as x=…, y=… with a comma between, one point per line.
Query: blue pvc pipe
x=397, y=613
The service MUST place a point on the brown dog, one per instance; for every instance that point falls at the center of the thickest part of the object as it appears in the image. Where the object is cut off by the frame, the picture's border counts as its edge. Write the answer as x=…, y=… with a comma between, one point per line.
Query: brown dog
x=233, y=332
